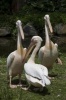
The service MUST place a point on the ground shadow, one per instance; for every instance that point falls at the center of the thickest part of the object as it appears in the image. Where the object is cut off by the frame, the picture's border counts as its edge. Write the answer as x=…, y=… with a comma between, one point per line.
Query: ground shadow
x=32, y=88
x=37, y=91
x=53, y=75
x=16, y=82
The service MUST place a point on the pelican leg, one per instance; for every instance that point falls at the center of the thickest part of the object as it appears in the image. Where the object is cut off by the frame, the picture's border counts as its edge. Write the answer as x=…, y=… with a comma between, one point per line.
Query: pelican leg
x=58, y=60
x=27, y=88
x=51, y=76
x=20, y=84
x=12, y=86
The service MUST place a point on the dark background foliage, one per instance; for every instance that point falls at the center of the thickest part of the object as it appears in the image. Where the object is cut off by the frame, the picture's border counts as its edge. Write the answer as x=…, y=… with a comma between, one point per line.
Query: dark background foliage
x=31, y=11
x=9, y=6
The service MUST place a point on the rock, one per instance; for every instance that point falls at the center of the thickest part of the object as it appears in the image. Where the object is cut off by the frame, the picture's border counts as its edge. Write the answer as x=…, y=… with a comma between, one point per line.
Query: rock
x=60, y=29
x=29, y=30
x=7, y=45
x=4, y=31
x=59, y=40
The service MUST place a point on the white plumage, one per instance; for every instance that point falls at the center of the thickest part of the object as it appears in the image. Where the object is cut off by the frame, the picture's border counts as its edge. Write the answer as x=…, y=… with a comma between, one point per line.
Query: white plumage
x=15, y=59
x=36, y=74
x=49, y=52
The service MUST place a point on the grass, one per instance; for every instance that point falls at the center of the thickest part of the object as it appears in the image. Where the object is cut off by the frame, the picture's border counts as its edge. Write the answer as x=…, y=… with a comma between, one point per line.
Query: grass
x=55, y=91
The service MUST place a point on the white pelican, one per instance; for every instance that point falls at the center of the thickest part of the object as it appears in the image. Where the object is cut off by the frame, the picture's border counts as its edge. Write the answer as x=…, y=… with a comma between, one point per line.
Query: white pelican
x=49, y=52
x=36, y=74
x=15, y=59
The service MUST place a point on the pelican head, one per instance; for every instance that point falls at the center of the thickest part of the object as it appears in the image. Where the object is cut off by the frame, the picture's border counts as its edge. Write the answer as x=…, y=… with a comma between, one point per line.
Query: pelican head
x=18, y=25
x=34, y=41
x=47, y=20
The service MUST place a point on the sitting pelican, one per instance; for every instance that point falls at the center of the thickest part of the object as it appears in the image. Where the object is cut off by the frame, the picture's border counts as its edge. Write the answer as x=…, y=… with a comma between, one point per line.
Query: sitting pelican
x=15, y=59
x=48, y=54
x=36, y=74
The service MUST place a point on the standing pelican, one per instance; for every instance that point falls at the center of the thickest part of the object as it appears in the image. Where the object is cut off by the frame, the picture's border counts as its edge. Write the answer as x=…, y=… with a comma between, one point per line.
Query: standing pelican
x=15, y=59
x=36, y=74
x=49, y=52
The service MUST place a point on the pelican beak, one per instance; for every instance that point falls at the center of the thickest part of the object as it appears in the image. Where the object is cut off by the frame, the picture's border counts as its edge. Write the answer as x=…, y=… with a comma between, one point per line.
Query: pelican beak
x=32, y=44
x=21, y=32
x=50, y=26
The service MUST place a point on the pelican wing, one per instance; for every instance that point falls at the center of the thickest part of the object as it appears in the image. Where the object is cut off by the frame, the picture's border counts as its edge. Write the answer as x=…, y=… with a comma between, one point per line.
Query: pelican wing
x=37, y=71
x=31, y=69
x=10, y=59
